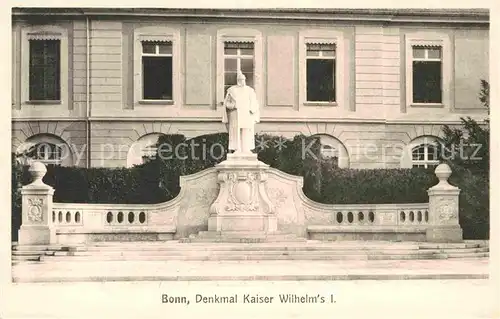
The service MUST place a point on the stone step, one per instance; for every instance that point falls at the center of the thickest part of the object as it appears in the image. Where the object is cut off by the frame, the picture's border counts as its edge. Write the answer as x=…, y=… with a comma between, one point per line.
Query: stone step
x=25, y=262
x=241, y=234
x=259, y=256
x=449, y=245
x=297, y=277
x=27, y=253
x=250, y=248
x=37, y=247
x=270, y=247
x=239, y=248
x=267, y=251
x=244, y=247
x=26, y=258
x=241, y=237
x=236, y=240
x=368, y=244
x=189, y=248
x=308, y=250
x=248, y=240
x=467, y=255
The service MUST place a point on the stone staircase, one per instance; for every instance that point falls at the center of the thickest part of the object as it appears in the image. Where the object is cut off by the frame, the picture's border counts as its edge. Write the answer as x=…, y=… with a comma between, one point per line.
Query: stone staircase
x=242, y=237
x=33, y=253
x=256, y=251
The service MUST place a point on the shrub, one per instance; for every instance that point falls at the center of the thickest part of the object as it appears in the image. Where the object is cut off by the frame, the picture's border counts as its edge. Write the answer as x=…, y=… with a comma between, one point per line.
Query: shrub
x=375, y=186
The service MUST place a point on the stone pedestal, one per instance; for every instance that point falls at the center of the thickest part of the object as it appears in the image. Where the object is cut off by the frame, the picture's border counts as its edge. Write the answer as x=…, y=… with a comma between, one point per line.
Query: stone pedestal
x=36, y=228
x=242, y=204
x=443, y=209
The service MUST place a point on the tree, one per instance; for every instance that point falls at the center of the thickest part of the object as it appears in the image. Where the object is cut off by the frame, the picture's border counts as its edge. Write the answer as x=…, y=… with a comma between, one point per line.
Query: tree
x=467, y=152
x=468, y=146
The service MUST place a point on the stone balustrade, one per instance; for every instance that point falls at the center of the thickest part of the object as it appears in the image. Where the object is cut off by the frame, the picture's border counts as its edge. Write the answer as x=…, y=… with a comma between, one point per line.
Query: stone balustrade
x=45, y=222
x=377, y=214
x=414, y=215
x=80, y=223
x=63, y=217
x=70, y=214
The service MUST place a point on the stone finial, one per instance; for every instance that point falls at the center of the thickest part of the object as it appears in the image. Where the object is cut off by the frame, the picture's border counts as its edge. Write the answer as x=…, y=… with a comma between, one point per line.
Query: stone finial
x=37, y=171
x=443, y=173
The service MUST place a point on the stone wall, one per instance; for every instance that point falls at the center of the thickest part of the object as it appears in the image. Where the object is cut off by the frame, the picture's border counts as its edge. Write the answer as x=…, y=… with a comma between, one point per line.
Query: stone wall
x=370, y=120
x=368, y=145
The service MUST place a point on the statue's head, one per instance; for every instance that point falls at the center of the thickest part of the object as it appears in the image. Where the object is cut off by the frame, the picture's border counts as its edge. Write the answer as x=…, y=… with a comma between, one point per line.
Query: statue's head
x=241, y=79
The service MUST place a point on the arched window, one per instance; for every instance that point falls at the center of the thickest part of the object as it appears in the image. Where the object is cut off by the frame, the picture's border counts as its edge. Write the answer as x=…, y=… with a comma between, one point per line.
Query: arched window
x=333, y=150
x=425, y=155
x=330, y=152
x=422, y=151
x=46, y=148
x=46, y=153
x=143, y=149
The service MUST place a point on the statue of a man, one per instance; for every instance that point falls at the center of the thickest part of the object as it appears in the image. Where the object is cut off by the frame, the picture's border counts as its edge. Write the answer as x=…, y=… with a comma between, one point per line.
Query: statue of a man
x=241, y=112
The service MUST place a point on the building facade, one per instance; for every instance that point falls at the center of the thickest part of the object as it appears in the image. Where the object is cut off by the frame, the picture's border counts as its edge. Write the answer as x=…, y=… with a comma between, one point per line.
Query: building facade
x=96, y=87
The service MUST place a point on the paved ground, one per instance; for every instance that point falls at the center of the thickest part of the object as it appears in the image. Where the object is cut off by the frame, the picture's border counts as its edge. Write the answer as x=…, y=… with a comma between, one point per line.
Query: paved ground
x=353, y=299
x=251, y=270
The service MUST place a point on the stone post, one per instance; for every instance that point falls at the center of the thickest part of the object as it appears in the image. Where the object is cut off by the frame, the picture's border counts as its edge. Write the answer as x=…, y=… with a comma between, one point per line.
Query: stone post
x=37, y=227
x=443, y=209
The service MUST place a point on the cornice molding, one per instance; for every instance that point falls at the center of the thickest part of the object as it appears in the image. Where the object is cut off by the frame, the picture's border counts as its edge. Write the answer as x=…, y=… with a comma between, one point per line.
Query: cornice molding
x=263, y=120
x=451, y=16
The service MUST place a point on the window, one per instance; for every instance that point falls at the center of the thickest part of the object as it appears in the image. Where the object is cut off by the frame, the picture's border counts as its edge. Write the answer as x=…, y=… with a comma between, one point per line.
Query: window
x=331, y=153
x=46, y=153
x=239, y=49
x=320, y=69
x=323, y=74
x=157, y=70
x=425, y=155
x=149, y=152
x=44, y=70
x=427, y=74
x=44, y=65
x=143, y=150
x=157, y=66
x=46, y=148
x=238, y=56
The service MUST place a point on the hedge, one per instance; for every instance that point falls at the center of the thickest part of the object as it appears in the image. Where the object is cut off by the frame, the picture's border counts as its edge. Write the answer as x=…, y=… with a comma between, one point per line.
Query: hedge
x=158, y=180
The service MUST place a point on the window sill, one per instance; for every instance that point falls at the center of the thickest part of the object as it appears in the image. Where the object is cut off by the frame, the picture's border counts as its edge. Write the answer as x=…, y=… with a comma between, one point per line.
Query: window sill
x=43, y=102
x=156, y=102
x=321, y=104
x=431, y=105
